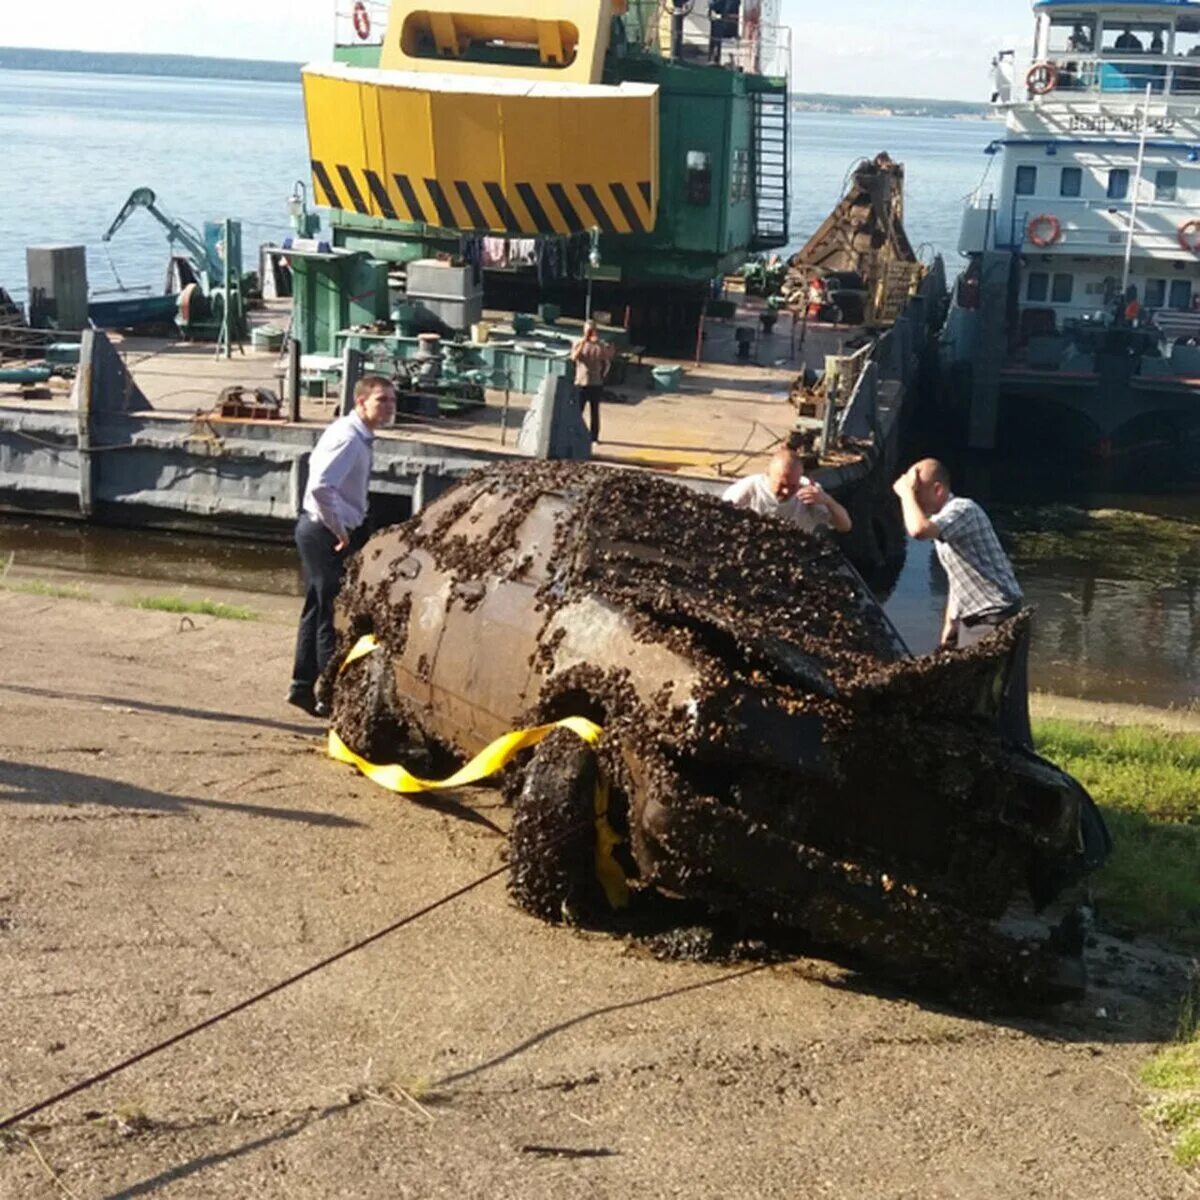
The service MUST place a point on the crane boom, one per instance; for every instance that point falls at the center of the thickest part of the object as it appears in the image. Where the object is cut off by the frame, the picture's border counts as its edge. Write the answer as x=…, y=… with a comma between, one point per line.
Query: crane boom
x=191, y=241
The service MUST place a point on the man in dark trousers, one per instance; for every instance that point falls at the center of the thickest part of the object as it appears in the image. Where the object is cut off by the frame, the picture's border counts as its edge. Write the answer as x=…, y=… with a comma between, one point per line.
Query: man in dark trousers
x=983, y=591
x=335, y=505
x=592, y=357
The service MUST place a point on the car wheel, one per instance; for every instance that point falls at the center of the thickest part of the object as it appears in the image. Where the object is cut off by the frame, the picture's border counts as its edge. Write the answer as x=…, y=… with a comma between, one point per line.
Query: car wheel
x=364, y=714
x=552, y=842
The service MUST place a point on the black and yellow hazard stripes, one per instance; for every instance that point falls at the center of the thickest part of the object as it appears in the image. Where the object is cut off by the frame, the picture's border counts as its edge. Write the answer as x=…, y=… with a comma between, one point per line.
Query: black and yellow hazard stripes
x=522, y=159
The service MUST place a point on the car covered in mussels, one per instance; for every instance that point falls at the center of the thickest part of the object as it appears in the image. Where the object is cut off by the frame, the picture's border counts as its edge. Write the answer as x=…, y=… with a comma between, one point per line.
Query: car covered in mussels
x=772, y=747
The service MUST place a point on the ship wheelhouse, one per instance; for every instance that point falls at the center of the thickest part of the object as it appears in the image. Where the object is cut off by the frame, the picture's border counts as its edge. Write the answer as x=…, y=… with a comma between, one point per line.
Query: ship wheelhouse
x=1095, y=186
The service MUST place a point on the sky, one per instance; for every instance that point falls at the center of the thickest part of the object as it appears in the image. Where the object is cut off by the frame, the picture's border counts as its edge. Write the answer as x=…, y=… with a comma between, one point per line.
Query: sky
x=935, y=48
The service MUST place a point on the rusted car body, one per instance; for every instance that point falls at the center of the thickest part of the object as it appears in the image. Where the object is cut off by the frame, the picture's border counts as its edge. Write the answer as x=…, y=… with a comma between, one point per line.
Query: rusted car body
x=774, y=749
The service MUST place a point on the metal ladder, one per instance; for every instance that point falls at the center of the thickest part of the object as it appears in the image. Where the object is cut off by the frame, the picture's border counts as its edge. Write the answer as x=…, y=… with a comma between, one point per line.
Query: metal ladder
x=770, y=170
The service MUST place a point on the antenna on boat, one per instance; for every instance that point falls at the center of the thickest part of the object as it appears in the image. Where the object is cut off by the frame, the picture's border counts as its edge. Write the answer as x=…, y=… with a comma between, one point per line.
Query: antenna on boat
x=1137, y=188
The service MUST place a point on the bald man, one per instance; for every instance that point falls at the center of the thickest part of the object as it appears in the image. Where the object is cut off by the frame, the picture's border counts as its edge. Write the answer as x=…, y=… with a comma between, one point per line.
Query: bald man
x=784, y=491
x=983, y=590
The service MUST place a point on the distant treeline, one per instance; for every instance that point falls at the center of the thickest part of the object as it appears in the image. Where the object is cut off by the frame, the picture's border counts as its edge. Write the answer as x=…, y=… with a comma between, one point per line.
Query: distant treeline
x=19, y=58
x=24, y=59
x=896, y=106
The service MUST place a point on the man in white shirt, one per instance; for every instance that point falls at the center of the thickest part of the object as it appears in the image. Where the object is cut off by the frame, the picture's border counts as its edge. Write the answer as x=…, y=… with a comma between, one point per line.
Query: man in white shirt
x=335, y=505
x=784, y=491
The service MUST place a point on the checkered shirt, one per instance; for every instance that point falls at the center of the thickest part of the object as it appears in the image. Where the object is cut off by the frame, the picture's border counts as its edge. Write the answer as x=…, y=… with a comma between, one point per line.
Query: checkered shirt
x=981, y=577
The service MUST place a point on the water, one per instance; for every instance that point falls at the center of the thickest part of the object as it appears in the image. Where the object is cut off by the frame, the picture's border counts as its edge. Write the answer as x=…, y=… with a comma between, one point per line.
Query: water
x=944, y=163
x=77, y=145
x=1117, y=604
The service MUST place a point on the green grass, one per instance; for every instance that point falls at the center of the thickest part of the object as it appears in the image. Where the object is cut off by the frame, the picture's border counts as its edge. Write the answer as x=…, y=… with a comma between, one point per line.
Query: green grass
x=39, y=587
x=204, y=608
x=1173, y=1076
x=1148, y=784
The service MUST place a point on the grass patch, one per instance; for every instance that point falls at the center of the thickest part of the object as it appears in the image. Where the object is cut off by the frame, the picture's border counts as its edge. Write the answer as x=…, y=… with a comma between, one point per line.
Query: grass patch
x=204, y=608
x=39, y=587
x=1173, y=1075
x=1147, y=782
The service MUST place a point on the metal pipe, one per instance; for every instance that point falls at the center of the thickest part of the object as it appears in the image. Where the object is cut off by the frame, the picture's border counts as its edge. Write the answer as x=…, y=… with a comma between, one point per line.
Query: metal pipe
x=1137, y=187
x=293, y=379
x=24, y=374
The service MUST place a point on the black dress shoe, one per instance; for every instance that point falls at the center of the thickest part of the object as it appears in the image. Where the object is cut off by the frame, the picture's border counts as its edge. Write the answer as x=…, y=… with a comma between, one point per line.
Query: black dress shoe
x=319, y=709
x=302, y=697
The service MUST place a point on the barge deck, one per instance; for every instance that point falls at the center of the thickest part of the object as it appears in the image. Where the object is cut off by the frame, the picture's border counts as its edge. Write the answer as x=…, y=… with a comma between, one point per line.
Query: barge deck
x=146, y=446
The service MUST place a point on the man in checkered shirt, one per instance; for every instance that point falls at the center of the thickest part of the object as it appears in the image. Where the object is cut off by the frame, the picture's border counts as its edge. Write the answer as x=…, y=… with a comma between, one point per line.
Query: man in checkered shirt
x=983, y=590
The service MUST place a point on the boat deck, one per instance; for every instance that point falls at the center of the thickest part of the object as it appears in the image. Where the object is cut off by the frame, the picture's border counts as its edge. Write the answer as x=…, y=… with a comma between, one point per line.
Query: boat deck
x=723, y=421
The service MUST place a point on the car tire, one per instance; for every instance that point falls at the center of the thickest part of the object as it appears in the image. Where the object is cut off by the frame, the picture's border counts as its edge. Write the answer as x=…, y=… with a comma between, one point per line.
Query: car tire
x=552, y=842
x=363, y=714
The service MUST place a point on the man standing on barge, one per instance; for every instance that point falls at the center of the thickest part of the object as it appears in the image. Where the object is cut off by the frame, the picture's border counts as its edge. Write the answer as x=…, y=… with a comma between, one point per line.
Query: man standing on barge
x=983, y=590
x=335, y=505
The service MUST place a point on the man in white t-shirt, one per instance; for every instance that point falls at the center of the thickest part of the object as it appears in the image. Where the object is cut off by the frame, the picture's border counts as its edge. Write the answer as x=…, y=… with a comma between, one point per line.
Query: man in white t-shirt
x=784, y=491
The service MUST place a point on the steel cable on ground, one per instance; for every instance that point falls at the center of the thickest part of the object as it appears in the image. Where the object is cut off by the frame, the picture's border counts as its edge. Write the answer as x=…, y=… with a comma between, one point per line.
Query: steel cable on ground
x=142, y=1055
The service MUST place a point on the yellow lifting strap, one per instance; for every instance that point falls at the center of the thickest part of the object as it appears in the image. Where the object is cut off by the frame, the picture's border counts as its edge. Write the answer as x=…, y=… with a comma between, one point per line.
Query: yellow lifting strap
x=486, y=763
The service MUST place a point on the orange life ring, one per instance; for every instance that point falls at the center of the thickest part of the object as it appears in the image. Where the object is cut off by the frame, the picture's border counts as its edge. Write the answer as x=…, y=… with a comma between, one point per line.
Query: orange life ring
x=1041, y=79
x=362, y=21
x=1189, y=236
x=1044, y=230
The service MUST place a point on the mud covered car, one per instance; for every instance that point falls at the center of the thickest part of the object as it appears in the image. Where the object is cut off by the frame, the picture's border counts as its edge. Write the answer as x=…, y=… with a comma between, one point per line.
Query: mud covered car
x=772, y=747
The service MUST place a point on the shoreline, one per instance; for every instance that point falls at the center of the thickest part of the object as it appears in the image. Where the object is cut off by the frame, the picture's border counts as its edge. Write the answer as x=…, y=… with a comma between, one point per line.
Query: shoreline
x=1114, y=713
x=273, y=609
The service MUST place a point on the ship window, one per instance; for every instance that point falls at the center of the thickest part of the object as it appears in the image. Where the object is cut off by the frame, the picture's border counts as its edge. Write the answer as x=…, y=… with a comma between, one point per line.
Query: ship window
x=1072, y=35
x=698, y=186
x=1187, y=37
x=486, y=38
x=1181, y=293
x=1038, y=286
x=1118, y=183
x=1121, y=38
x=1165, y=185
x=1026, y=181
x=1062, y=289
x=1071, y=183
x=1156, y=292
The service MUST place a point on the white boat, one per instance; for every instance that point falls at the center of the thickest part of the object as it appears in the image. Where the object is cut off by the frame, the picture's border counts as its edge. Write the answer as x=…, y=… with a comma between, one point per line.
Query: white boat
x=1075, y=325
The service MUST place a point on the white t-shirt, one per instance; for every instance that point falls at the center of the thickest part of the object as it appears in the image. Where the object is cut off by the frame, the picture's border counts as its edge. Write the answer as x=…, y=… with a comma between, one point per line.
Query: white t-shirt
x=754, y=492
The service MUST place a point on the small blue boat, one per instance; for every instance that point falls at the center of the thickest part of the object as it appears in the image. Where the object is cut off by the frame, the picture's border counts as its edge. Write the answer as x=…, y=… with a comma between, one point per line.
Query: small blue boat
x=132, y=312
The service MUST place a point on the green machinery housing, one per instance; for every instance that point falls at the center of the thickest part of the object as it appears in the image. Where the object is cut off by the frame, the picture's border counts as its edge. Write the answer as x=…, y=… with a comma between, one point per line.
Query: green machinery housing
x=722, y=144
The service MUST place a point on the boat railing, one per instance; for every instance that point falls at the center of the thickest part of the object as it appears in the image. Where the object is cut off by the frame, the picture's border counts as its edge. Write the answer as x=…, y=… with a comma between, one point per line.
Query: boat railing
x=1084, y=225
x=1070, y=75
x=758, y=50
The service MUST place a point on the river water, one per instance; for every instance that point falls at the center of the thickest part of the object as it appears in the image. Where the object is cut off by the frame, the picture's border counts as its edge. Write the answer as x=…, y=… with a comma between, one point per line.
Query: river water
x=1115, y=578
